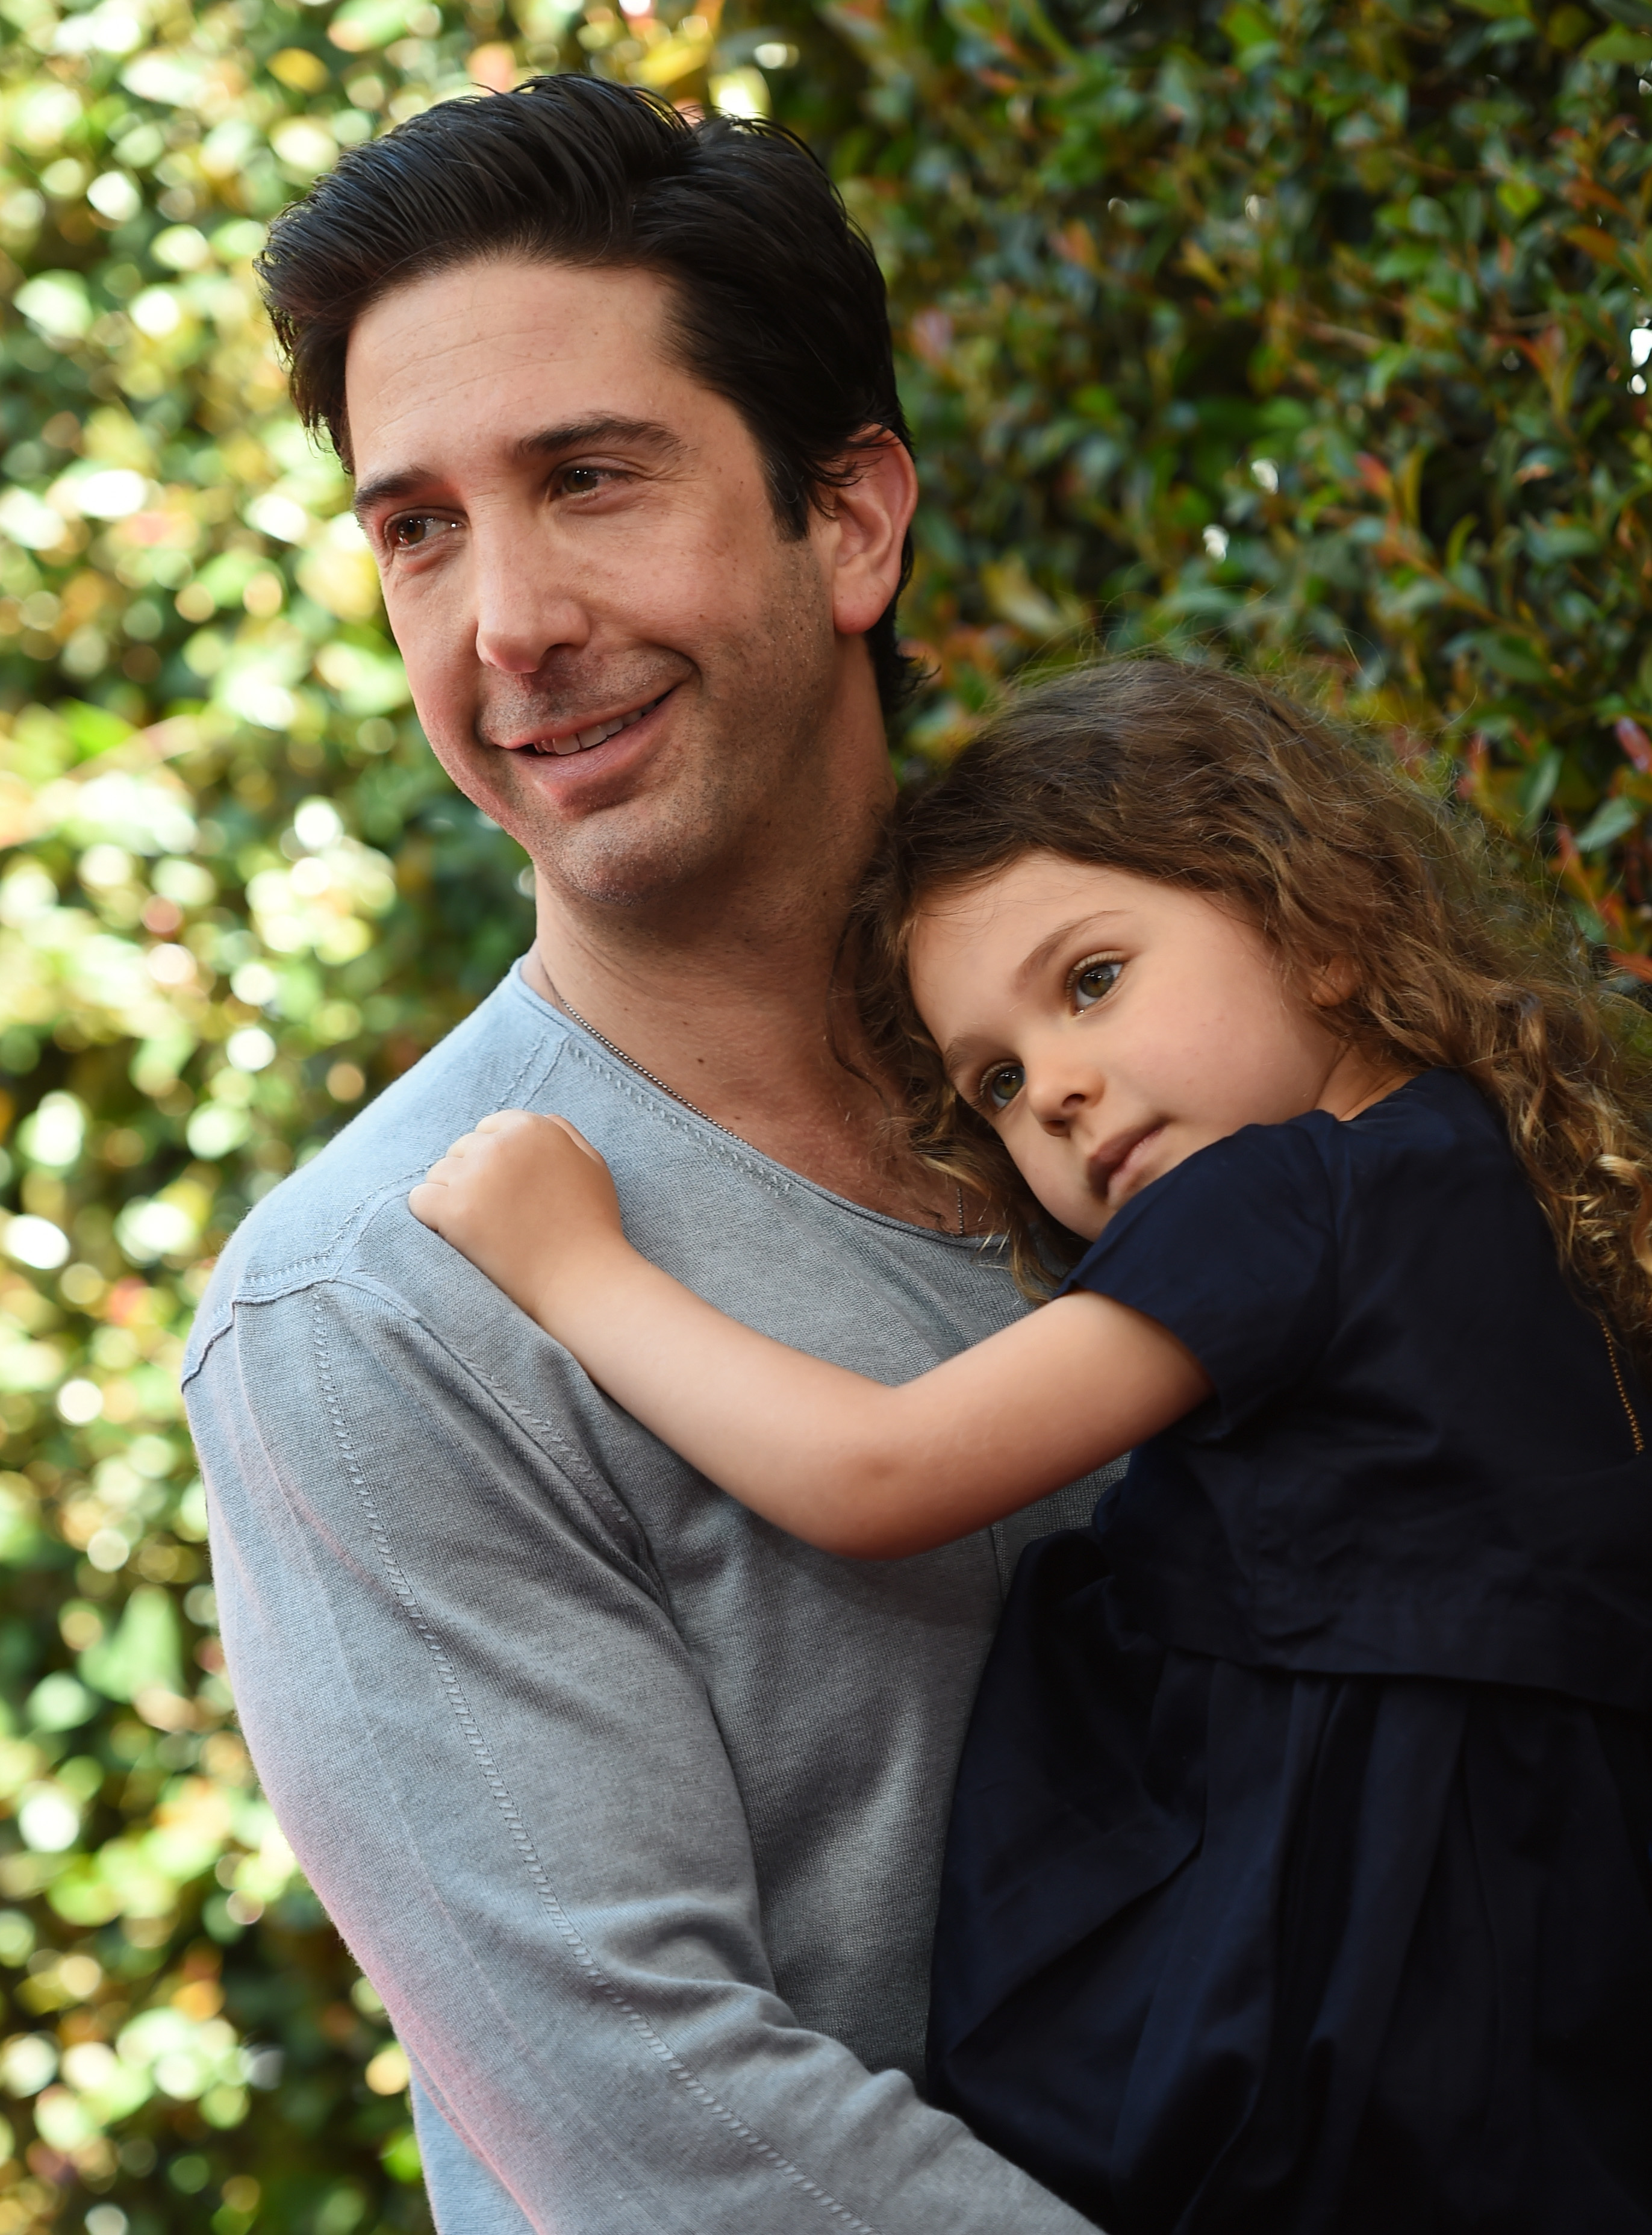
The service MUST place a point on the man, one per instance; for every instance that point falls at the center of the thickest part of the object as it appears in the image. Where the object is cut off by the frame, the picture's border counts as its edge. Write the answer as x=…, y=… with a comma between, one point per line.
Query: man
x=630, y=1805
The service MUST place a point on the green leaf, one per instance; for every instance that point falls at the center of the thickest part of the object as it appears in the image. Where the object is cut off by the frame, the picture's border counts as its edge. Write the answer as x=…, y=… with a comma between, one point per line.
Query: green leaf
x=1254, y=32
x=1514, y=657
x=1611, y=821
x=1619, y=46
x=1519, y=196
x=1538, y=788
x=94, y=729
x=59, y=1703
x=143, y=1652
x=1567, y=26
x=56, y=303
x=361, y=24
x=1564, y=540
x=400, y=2155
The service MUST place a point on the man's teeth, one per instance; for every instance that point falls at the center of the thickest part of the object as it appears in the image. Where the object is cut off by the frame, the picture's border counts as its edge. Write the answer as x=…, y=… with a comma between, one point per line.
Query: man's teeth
x=582, y=740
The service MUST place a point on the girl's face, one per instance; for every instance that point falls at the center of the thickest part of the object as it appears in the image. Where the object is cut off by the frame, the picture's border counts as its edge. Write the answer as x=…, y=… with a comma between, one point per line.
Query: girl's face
x=1107, y=1025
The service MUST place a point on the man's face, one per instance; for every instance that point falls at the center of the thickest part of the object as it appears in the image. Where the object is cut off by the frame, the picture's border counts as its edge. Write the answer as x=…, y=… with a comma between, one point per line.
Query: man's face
x=612, y=648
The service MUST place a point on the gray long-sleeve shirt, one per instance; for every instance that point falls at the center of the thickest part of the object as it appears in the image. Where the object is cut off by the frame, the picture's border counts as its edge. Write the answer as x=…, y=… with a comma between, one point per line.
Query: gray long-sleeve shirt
x=630, y=1805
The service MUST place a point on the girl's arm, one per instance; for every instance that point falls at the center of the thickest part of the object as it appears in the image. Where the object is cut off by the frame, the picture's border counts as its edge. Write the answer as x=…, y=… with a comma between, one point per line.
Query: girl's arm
x=848, y=1464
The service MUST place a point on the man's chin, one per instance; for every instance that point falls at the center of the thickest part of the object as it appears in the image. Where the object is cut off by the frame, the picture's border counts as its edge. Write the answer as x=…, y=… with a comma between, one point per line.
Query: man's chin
x=626, y=856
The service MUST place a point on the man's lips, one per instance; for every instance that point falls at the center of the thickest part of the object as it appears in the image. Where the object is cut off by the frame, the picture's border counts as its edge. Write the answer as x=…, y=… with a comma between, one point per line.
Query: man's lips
x=564, y=737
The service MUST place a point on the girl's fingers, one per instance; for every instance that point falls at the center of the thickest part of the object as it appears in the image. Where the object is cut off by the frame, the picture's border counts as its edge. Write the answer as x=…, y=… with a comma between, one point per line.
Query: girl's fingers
x=507, y=1121
x=511, y=1121
x=447, y=1192
x=468, y=1144
x=579, y=1140
x=425, y=1201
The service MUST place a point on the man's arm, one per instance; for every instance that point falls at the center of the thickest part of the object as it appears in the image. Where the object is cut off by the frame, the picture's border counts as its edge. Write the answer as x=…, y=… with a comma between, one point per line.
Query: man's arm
x=500, y=1769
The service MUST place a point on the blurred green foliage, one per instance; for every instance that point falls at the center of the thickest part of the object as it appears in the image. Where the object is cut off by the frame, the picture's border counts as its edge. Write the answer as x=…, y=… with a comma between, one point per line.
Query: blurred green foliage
x=1313, y=334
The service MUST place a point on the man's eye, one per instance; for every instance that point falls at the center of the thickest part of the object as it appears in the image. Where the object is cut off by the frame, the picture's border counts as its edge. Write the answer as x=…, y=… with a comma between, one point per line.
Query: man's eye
x=1092, y=981
x=581, y=481
x=413, y=530
x=999, y=1087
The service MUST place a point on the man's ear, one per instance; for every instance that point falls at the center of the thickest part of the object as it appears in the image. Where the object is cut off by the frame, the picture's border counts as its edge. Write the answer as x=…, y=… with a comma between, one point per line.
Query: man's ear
x=866, y=531
x=1334, y=982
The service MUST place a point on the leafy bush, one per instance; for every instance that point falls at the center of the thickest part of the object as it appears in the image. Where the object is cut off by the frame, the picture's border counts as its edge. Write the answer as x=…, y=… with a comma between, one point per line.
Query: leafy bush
x=1311, y=331
x=1316, y=335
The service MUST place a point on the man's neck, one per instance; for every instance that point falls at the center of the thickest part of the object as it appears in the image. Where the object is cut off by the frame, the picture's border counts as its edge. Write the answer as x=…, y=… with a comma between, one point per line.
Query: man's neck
x=743, y=1017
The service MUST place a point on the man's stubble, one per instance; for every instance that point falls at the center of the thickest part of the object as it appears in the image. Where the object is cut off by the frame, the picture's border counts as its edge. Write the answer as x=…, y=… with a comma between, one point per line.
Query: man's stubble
x=744, y=783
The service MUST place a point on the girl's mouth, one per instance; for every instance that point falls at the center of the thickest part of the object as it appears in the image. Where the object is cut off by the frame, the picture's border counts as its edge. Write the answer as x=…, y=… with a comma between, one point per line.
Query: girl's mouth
x=1120, y=1165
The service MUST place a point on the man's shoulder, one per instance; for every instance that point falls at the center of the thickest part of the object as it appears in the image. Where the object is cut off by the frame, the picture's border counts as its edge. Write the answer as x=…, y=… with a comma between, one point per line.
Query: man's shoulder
x=319, y=1224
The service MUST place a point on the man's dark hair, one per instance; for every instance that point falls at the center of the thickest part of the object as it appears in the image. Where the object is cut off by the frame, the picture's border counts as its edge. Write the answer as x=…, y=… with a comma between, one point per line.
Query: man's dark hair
x=777, y=302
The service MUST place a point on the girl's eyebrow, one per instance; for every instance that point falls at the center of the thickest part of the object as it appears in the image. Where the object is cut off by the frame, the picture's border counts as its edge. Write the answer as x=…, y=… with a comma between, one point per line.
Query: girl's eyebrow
x=965, y=1054
x=1034, y=962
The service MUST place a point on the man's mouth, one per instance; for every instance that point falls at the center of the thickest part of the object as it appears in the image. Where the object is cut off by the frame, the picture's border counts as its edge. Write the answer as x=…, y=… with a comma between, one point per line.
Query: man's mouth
x=595, y=733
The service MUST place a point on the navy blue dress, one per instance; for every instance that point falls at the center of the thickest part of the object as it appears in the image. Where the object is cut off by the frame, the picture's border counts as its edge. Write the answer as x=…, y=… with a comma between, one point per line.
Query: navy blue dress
x=1298, y=1881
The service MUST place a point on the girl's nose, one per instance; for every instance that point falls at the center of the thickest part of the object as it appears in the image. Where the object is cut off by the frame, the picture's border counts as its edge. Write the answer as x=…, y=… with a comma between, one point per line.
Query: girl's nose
x=1059, y=1090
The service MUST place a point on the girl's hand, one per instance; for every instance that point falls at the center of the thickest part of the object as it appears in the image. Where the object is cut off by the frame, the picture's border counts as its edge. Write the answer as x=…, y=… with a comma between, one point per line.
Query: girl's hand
x=529, y=1201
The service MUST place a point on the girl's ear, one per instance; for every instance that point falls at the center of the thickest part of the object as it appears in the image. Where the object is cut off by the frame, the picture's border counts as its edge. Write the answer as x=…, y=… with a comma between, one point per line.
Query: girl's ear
x=1334, y=982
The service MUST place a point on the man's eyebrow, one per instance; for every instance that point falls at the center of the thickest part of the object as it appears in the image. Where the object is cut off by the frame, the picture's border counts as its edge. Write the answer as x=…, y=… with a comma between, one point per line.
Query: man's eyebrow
x=585, y=434
x=547, y=442
x=385, y=490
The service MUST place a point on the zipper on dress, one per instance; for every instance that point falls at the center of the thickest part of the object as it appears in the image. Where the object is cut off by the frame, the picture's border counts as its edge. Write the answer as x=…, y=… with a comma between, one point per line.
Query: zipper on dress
x=1623, y=1394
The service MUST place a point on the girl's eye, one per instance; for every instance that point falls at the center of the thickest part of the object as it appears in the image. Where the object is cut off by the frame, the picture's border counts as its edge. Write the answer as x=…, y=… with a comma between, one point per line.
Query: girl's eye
x=999, y=1087
x=1092, y=982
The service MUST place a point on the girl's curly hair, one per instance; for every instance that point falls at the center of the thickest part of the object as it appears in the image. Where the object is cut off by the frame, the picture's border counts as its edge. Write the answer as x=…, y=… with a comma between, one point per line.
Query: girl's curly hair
x=1215, y=782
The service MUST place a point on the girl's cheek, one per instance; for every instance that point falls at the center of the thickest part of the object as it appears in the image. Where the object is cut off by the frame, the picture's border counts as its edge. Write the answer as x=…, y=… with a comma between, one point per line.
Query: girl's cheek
x=1039, y=1165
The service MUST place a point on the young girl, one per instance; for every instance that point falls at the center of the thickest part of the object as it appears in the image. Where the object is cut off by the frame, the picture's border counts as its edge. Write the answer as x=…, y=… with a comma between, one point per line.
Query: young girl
x=1298, y=1880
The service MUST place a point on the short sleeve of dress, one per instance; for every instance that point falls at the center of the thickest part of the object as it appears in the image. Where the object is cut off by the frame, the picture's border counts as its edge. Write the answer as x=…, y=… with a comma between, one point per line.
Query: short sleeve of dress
x=1234, y=1251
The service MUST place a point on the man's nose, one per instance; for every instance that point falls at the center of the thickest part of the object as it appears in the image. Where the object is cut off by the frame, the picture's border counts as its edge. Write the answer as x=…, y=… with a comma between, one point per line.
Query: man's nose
x=526, y=606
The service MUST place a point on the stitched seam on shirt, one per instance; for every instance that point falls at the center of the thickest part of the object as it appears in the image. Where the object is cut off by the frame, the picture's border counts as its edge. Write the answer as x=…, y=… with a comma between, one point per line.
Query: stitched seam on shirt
x=573, y=1939
x=359, y=1217
x=571, y=1458
x=587, y=1480
x=706, y=1135
x=717, y=1139
x=364, y=1210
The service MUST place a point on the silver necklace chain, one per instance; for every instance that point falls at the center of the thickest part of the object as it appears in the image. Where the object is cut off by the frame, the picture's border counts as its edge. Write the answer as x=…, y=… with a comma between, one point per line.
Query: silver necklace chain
x=669, y=1092
x=631, y=1062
